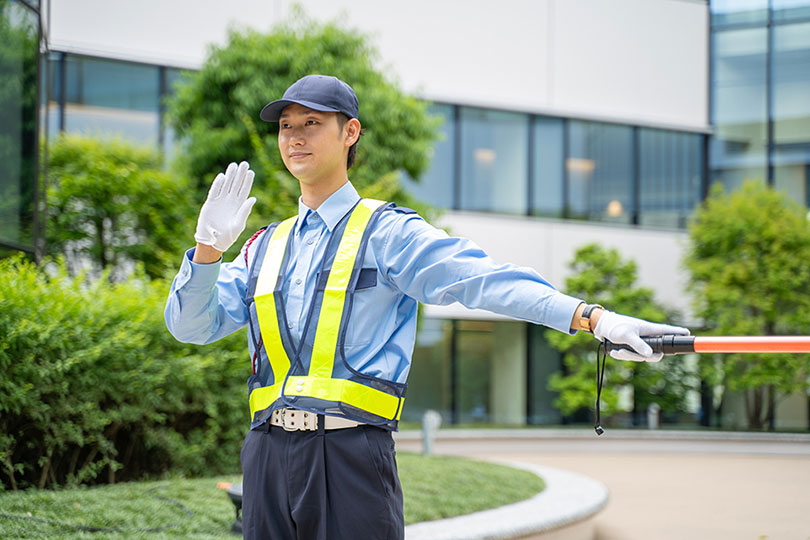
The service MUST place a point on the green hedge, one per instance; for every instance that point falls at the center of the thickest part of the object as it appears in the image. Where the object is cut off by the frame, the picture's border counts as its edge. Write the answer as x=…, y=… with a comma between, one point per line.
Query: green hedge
x=94, y=389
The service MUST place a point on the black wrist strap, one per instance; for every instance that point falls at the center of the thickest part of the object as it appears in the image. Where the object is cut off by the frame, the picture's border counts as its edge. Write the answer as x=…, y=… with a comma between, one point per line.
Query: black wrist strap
x=586, y=313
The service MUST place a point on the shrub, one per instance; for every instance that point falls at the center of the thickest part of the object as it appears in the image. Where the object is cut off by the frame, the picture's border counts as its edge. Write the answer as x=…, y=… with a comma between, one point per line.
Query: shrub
x=95, y=389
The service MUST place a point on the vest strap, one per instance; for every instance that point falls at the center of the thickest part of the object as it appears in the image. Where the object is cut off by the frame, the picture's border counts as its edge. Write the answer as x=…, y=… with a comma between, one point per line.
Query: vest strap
x=334, y=295
x=346, y=391
x=264, y=396
x=266, y=304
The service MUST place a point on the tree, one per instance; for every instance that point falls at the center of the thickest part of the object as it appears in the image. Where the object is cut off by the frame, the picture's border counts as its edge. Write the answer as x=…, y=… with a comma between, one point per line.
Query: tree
x=110, y=203
x=749, y=260
x=216, y=112
x=601, y=276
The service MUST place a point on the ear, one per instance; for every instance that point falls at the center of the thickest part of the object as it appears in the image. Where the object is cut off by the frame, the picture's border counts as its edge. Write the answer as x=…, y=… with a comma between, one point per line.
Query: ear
x=351, y=132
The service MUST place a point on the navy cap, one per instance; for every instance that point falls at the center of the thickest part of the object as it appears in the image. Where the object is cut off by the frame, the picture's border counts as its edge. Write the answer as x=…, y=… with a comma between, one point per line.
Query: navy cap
x=316, y=92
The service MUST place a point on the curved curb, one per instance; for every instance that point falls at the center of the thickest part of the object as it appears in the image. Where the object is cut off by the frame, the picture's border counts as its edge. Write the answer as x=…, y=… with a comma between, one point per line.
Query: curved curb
x=567, y=499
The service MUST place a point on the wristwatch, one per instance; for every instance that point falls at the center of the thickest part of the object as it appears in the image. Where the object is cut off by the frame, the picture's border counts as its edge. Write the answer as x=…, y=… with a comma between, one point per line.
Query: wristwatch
x=585, y=318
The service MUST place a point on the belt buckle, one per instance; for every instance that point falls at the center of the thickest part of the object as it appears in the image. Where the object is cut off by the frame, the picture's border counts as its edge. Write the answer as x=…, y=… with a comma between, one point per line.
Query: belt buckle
x=283, y=415
x=304, y=423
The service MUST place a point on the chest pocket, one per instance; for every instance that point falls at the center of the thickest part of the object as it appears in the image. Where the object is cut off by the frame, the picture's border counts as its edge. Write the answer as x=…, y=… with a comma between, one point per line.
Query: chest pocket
x=367, y=279
x=356, y=335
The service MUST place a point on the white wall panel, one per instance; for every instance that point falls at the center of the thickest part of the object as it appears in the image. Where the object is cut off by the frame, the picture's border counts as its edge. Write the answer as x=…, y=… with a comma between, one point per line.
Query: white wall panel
x=549, y=245
x=630, y=61
x=169, y=32
x=472, y=52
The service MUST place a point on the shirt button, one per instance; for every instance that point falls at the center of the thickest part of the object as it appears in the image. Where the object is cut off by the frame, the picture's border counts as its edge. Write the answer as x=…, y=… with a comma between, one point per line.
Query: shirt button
x=310, y=241
x=290, y=325
x=185, y=272
x=314, y=216
x=298, y=282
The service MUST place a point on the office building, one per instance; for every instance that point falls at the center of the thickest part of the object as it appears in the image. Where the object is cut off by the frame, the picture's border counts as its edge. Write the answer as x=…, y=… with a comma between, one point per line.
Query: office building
x=565, y=123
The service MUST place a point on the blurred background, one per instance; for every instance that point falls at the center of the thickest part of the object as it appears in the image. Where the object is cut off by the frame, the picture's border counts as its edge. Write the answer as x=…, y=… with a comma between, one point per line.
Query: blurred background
x=580, y=138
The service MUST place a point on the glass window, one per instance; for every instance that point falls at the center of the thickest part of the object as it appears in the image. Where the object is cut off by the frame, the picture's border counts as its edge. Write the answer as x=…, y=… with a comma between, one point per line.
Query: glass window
x=738, y=148
x=169, y=136
x=670, y=176
x=173, y=76
x=547, y=168
x=544, y=361
x=436, y=185
x=54, y=87
x=494, y=161
x=112, y=84
x=787, y=10
x=107, y=97
x=600, y=172
x=429, y=378
x=474, y=352
x=18, y=123
x=53, y=75
x=737, y=12
x=791, y=108
x=72, y=80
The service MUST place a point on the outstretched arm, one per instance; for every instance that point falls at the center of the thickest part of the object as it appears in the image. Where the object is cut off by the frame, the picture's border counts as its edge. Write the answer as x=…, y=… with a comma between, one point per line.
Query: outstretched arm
x=432, y=267
x=435, y=268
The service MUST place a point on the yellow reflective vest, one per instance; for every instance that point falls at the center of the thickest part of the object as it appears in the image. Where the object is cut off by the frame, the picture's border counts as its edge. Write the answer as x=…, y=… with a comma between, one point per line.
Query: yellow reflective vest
x=304, y=377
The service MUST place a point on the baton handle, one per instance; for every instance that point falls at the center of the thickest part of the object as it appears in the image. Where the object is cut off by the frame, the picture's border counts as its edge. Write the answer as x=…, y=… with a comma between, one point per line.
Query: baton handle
x=660, y=344
x=722, y=344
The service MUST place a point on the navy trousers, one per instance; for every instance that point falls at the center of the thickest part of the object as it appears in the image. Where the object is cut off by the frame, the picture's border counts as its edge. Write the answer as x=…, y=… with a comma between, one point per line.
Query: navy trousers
x=339, y=484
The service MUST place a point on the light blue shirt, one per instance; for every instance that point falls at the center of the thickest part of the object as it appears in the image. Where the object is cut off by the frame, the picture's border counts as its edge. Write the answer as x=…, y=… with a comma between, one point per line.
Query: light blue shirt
x=415, y=262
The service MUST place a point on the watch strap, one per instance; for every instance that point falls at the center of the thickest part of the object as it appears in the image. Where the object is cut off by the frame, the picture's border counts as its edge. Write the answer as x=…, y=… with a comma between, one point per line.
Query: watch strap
x=585, y=317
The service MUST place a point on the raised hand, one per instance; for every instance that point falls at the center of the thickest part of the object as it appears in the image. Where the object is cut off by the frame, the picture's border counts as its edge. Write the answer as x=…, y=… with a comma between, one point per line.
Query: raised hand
x=225, y=212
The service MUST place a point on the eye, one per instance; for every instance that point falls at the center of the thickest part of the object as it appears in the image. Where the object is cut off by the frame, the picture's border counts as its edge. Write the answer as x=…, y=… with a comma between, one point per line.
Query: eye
x=311, y=122
x=285, y=125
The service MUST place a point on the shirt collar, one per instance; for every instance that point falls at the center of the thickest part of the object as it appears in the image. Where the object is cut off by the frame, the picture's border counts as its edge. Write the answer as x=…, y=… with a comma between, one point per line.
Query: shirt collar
x=332, y=209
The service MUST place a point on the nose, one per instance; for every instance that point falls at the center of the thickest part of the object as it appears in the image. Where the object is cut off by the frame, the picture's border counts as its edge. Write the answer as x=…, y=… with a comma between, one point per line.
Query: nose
x=296, y=137
x=297, y=140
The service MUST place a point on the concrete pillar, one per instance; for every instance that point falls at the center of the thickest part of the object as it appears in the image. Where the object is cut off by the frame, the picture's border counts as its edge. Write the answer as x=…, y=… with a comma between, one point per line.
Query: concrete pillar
x=508, y=373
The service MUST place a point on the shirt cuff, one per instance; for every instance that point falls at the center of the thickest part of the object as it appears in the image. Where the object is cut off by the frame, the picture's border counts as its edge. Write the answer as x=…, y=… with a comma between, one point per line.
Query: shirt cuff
x=561, y=312
x=197, y=275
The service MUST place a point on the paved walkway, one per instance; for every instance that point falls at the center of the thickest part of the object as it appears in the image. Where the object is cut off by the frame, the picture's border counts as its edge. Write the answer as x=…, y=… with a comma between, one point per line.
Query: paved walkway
x=668, y=489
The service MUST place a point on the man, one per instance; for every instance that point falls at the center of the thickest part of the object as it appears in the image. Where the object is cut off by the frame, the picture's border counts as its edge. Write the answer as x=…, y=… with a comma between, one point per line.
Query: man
x=331, y=299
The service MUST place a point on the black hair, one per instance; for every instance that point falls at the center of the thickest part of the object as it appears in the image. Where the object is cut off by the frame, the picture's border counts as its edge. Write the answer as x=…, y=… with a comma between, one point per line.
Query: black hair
x=342, y=119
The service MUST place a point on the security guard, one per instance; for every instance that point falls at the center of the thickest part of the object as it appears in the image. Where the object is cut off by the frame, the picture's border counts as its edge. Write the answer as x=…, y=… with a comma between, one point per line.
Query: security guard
x=330, y=297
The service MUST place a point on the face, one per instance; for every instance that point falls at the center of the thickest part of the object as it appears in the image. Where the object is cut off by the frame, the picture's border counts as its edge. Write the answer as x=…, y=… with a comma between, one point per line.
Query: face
x=312, y=144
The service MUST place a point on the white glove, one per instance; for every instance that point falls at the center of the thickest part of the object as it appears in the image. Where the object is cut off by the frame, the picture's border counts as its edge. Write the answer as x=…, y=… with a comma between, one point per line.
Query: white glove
x=225, y=212
x=628, y=331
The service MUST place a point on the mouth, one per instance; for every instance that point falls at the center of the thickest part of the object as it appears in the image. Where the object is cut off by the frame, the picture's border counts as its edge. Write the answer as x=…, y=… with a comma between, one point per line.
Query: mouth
x=299, y=155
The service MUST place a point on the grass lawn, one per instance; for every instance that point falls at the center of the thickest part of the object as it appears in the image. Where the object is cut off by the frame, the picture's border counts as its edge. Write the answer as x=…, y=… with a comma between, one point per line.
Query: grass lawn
x=434, y=488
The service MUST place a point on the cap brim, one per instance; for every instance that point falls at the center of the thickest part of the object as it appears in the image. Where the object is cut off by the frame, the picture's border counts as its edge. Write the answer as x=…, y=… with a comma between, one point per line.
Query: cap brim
x=272, y=111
